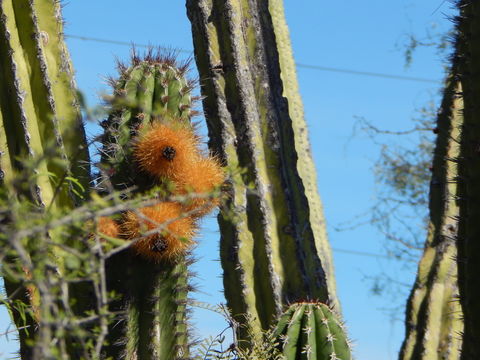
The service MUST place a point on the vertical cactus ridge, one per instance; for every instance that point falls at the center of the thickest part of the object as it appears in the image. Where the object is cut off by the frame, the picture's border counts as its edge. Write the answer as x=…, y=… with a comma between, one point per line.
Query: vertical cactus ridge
x=19, y=111
x=434, y=317
x=304, y=163
x=156, y=311
x=468, y=58
x=269, y=247
x=43, y=110
x=42, y=140
x=312, y=331
x=58, y=78
x=152, y=297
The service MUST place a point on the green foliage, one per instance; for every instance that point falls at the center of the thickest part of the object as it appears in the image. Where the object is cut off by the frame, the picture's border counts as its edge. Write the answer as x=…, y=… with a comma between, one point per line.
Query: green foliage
x=52, y=322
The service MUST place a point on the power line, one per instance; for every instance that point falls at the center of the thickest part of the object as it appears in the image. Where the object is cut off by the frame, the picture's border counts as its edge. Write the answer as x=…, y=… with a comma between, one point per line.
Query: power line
x=361, y=253
x=300, y=65
x=314, y=67
x=124, y=43
x=366, y=73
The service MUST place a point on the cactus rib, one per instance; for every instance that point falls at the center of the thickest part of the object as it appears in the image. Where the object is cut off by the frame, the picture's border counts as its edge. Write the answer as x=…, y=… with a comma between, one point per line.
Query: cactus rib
x=434, y=317
x=312, y=331
x=40, y=124
x=274, y=246
x=468, y=58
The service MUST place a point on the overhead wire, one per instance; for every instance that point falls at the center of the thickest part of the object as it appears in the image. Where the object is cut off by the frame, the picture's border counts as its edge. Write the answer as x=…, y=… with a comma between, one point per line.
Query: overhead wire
x=300, y=65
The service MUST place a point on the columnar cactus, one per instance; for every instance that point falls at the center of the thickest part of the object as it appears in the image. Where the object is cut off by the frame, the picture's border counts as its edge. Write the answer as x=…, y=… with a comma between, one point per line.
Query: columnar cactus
x=434, y=317
x=312, y=331
x=468, y=194
x=274, y=248
x=41, y=138
x=149, y=89
x=149, y=140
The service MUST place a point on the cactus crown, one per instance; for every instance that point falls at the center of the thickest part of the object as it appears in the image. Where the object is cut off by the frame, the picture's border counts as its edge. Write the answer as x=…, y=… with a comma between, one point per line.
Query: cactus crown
x=153, y=89
x=312, y=330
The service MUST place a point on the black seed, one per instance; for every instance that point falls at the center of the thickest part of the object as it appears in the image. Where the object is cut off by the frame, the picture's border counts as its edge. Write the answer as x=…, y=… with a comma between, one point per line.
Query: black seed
x=159, y=245
x=168, y=153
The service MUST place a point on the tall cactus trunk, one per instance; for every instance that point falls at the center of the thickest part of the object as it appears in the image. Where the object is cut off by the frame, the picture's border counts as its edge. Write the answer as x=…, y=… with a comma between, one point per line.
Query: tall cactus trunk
x=151, y=295
x=274, y=248
x=468, y=58
x=153, y=306
x=434, y=317
x=40, y=123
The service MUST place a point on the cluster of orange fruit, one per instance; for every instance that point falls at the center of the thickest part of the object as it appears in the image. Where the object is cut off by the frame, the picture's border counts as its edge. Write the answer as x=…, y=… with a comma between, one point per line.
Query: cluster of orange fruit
x=169, y=151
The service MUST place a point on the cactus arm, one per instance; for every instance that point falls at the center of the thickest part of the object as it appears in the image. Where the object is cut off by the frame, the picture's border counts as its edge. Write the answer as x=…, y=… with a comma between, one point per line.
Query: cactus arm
x=434, y=318
x=269, y=251
x=468, y=47
x=304, y=163
x=311, y=331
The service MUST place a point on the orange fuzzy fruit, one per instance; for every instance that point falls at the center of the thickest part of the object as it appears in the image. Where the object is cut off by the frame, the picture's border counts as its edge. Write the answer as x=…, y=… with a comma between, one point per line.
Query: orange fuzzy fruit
x=108, y=227
x=203, y=178
x=165, y=150
x=174, y=235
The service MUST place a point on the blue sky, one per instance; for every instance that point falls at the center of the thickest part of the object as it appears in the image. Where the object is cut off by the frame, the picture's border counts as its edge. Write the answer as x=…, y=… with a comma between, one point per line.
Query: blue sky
x=365, y=36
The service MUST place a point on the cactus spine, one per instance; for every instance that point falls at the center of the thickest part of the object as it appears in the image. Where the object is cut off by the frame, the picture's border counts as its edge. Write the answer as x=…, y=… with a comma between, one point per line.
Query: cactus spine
x=274, y=249
x=152, y=294
x=468, y=59
x=434, y=316
x=312, y=331
x=40, y=124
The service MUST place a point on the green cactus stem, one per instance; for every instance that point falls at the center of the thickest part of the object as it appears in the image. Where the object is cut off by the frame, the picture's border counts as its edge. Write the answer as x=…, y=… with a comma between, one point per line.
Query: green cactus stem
x=274, y=248
x=40, y=123
x=468, y=194
x=151, y=297
x=312, y=331
x=39, y=105
x=152, y=87
x=434, y=317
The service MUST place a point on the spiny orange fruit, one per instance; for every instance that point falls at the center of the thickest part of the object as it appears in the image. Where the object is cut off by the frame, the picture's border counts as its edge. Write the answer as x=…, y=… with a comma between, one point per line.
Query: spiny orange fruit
x=108, y=227
x=200, y=181
x=172, y=238
x=166, y=149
